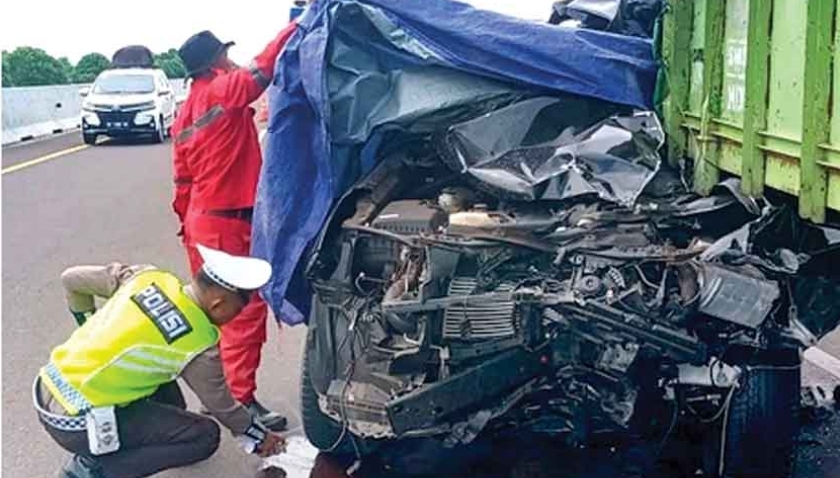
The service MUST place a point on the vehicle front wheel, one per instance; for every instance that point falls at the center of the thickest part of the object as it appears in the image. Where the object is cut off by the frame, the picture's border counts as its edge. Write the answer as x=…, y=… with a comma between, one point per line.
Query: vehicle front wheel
x=160, y=132
x=322, y=431
x=763, y=420
x=89, y=139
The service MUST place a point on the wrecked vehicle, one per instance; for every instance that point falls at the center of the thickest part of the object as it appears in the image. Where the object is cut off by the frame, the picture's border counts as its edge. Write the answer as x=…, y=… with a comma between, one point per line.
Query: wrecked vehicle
x=541, y=287
x=498, y=252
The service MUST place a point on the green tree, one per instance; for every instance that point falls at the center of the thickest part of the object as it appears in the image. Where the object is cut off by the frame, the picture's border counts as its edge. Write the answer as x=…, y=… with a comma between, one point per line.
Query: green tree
x=67, y=67
x=89, y=67
x=28, y=66
x=7, y=76
x=171, y=64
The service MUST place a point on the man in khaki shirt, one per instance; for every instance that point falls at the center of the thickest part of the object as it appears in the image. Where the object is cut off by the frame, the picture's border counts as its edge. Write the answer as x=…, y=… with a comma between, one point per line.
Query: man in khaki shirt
x=156, y=433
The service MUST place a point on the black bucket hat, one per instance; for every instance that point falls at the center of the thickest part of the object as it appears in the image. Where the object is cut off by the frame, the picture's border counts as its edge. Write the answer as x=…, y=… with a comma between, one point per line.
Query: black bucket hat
x=200, y=51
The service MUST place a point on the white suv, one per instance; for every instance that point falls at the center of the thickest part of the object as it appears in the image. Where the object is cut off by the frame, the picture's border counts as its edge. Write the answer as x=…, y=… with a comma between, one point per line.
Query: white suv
x=128, y=102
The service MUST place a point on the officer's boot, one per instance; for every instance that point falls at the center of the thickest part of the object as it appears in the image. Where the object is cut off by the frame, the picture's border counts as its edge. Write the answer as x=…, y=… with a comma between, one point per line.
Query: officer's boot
x=272, y=420
x=81, y=467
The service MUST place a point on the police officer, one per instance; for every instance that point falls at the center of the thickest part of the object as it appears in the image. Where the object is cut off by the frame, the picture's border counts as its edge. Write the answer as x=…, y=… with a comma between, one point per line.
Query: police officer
x=108, y=394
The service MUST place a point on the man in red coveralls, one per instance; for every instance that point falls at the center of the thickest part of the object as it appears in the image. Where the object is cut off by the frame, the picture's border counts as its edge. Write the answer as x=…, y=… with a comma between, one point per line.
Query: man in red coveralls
x=217, y=162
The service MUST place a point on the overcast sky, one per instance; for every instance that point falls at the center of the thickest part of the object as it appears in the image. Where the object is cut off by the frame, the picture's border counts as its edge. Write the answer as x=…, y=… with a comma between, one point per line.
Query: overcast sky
x=72, y=29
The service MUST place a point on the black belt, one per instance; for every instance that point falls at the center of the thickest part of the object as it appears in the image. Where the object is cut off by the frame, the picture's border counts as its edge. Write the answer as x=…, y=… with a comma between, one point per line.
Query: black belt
x=244, y=214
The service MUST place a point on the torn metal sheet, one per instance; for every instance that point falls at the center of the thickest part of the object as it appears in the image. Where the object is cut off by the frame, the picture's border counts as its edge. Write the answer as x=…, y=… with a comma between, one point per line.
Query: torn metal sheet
x=520, y=151
x=798, y=254
x=732, y=296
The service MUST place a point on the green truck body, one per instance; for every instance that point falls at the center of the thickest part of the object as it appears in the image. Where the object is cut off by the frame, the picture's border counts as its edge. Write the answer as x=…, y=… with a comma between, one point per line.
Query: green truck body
x=754, y=91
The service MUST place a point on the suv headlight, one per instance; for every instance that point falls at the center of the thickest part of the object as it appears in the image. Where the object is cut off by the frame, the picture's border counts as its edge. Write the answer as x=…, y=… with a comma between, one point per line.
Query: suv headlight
x=143, y=118
x=91, y=118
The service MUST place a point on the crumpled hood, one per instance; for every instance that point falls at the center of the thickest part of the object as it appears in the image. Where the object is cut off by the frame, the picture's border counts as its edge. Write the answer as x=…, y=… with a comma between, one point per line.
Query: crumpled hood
x=356, y=69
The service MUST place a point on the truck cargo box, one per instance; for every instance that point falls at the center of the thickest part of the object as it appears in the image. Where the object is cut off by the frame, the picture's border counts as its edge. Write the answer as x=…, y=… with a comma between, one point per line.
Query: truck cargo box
x=755, y=92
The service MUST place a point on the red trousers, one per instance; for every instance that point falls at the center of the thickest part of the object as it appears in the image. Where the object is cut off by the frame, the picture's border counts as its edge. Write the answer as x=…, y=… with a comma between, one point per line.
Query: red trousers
x=243, y=337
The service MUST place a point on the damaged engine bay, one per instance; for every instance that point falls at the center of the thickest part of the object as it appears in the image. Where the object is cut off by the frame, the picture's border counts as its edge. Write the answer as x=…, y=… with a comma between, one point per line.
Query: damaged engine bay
x=520, y=270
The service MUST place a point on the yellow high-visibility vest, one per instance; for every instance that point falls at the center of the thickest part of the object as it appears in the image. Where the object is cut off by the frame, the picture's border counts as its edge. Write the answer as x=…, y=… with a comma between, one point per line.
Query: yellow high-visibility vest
x=142, y=337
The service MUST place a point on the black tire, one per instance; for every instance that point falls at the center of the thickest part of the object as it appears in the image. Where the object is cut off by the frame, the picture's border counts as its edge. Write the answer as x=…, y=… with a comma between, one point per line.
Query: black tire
x=89, y=139
x=160, y=132
x=167, y=130
x=322, y=431
x=763, y=420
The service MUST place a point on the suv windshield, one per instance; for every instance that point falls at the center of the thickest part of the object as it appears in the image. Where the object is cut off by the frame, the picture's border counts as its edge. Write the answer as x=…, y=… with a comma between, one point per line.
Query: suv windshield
x=117, y=84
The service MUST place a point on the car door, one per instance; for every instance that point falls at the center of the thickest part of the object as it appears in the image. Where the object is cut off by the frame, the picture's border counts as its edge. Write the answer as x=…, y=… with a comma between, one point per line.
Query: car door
x=168, y=99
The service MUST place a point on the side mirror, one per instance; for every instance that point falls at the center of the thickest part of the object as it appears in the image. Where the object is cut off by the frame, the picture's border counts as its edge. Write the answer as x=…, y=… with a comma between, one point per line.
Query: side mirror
x=84, y=91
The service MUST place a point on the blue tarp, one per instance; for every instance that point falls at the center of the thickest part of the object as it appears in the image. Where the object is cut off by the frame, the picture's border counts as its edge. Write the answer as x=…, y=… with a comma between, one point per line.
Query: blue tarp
x=357, y=68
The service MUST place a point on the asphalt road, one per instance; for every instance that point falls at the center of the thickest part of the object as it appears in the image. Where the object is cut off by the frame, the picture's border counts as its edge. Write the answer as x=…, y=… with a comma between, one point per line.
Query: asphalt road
x=95, y=205
x=111, y=202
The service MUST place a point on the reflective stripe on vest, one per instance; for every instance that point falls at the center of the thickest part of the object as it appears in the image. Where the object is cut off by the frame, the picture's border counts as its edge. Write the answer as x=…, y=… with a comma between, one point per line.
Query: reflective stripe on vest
x=140, y=339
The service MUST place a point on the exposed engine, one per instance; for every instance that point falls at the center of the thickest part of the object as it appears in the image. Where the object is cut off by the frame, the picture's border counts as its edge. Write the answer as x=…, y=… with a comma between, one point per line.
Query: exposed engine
x=458, y=305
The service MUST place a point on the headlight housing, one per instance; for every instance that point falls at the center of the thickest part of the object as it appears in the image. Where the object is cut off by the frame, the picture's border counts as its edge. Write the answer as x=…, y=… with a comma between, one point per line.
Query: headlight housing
x=91, y=118
x=141, y=119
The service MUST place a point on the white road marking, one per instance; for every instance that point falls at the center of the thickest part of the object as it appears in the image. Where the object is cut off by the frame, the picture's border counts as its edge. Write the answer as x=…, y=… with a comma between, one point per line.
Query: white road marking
x=823, y=360
x=44, y=159
x=40, y=139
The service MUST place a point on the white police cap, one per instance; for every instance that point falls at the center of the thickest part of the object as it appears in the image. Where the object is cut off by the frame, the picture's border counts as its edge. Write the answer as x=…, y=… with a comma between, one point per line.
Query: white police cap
x=234, y=272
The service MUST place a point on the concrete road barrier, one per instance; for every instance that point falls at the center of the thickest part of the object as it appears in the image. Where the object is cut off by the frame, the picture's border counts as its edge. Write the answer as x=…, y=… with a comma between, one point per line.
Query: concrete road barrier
x=30, y=112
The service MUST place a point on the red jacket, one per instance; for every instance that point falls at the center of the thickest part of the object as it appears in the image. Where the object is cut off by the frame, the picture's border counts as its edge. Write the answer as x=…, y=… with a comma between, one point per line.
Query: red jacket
x=217, y=157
